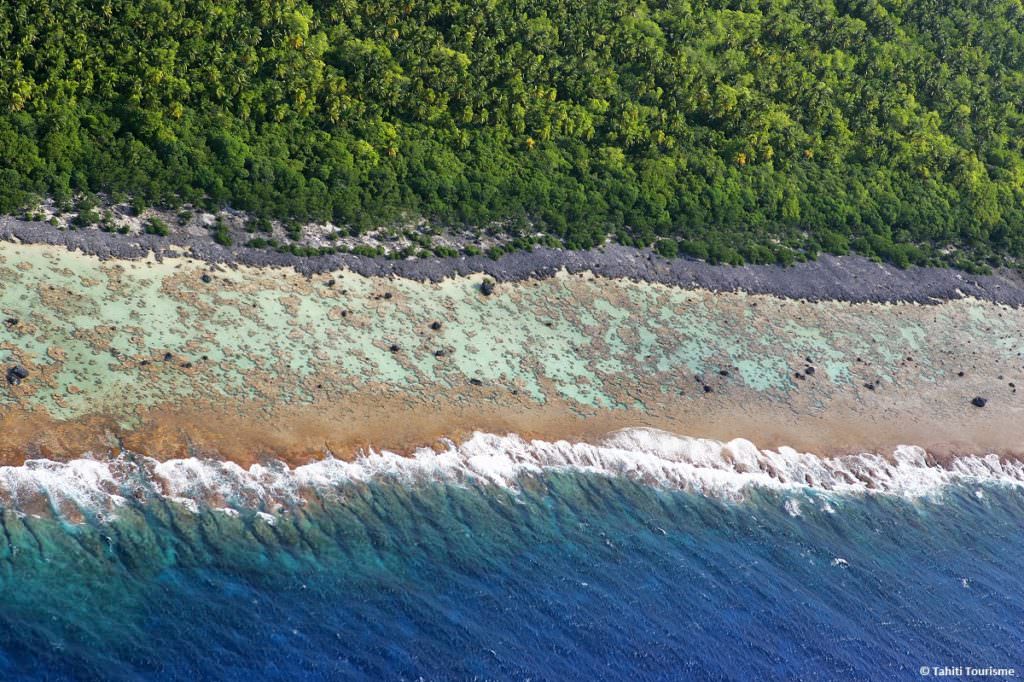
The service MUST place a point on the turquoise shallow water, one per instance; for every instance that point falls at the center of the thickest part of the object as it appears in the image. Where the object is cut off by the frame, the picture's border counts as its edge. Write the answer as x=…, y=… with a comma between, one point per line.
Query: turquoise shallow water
x=565, y=575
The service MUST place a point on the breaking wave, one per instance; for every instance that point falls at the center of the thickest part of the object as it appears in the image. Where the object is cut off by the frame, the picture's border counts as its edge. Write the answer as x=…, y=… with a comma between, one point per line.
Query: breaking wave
x=90, y=486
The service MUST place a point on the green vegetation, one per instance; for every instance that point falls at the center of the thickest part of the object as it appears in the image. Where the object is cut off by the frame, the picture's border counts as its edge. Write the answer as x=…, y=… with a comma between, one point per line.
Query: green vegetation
x=221, y=232
x=258, y=225
x=669, y=248
x=157, y=226
x=733, y=130
x=86, y=217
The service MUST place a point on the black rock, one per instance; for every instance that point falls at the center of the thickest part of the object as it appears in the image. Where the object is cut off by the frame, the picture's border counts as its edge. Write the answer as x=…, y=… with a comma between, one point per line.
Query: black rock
x=809, y=371
x=168, y=357
x=978, y=401
x=394, y=348
x=960, y=373
x=798, y=375
x=869, y=386
x=206, y=278
x=476, y=382
x=435, y=325
x=11, y=321
x=15, y=374
x=388, y=296
x=708, y=389
x=439, y=353
x=487, y=287
x=329, y=283
x=723, y=372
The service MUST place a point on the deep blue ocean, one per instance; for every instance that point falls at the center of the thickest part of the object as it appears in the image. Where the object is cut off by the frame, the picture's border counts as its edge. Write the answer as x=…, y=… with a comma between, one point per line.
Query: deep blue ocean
x=573, y=576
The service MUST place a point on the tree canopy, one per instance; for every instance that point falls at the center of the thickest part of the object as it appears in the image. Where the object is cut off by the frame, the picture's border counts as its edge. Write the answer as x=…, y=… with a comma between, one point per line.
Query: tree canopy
x=733, y=130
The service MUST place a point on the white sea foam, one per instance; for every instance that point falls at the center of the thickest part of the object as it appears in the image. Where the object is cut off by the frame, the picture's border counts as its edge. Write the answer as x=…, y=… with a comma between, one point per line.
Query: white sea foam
x=84, y=483
x=792, y=507
x=723, y=470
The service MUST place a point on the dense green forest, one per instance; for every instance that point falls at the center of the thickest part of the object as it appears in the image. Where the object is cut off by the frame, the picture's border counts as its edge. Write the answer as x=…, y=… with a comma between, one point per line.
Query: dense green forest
x=733, y=130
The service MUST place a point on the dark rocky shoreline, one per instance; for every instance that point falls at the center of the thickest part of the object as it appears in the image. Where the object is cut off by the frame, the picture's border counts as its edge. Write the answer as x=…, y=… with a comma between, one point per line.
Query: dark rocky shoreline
x=846, y=278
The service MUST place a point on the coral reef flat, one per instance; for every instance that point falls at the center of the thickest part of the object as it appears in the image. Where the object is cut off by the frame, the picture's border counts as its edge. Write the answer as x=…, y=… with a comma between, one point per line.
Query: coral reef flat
x=177, y=355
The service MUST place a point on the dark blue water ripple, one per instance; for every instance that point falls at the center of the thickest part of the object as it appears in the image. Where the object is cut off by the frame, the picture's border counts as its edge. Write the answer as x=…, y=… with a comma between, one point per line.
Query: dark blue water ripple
x=575, y=577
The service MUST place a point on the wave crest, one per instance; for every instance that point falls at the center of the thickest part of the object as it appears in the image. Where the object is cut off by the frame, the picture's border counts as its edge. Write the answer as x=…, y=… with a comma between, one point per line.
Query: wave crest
x=89, y=486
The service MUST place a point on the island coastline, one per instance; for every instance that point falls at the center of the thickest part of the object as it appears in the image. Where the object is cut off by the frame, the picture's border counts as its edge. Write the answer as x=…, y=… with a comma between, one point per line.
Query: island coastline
x=849, y=278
